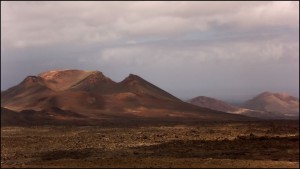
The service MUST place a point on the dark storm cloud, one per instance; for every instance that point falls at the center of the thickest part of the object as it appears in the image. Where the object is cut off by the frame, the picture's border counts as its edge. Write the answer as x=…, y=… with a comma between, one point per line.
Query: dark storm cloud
x=229, y=50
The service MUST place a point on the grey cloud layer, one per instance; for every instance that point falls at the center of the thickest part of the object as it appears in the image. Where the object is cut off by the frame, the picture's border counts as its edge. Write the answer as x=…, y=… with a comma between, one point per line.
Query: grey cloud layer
x=220, y=49
x=39, y=23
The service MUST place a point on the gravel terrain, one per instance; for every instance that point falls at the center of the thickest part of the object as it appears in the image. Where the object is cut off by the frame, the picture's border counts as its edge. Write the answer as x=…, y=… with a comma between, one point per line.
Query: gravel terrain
x=253, y=144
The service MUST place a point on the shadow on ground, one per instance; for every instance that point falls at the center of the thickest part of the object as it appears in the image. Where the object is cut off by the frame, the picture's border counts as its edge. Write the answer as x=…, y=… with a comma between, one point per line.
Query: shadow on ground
x=69, y=154
x=243, y=147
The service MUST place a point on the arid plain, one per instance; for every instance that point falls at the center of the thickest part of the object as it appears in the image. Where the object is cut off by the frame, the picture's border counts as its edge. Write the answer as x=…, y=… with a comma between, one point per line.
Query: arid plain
x=228, y=144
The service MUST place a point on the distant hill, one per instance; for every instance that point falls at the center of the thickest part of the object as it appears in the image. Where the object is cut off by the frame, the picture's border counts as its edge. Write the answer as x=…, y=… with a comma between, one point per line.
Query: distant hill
x=219, y=105
x=90, y=98
x=280, y=103
x=213, y=104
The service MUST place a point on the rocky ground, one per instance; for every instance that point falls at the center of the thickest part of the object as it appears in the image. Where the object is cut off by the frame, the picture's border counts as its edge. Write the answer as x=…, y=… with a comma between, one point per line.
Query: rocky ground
x=253, y=144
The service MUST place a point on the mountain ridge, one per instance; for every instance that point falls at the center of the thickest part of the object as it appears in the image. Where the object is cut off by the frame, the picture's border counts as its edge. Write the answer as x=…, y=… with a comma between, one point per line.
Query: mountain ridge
x=92, y=97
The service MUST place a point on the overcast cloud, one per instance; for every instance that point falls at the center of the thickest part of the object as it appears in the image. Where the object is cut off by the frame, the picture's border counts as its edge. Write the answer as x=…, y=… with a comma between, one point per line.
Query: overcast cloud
x=228, y=50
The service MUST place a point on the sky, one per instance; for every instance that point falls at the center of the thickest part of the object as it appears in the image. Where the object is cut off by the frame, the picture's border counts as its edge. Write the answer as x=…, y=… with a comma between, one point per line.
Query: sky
x=226, y=50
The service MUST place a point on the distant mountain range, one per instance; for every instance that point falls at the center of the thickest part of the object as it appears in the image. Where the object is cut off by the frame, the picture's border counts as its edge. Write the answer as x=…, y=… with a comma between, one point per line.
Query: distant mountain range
x=266, y=105
x=78, y=97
